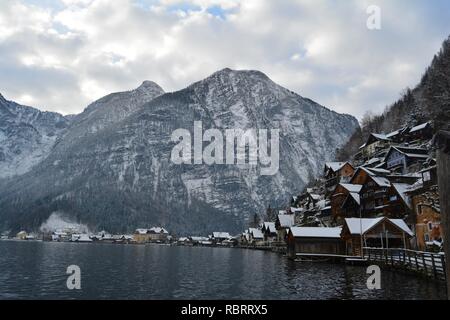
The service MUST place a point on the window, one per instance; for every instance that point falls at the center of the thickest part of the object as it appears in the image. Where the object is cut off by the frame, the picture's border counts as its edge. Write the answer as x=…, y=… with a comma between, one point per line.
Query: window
x=430, y=226
x=419, y=209
x=393, y=198
x=426, y=176
x=427, y=237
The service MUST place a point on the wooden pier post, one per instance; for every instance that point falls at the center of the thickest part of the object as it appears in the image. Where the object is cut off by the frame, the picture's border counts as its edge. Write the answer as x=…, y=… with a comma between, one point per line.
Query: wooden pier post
x=442, y=143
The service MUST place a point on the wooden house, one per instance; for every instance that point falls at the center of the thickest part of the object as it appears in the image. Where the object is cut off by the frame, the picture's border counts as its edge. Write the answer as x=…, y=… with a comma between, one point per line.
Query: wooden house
x=421, y=132
x=375, y=233
x=427, y=211
x=282, y=224
x=402, y=159
x=375, y=145
x=339, y=195
x=374, y=192
x=337, y=172
x=256, y=236
x=325, y=241
x=269, y=231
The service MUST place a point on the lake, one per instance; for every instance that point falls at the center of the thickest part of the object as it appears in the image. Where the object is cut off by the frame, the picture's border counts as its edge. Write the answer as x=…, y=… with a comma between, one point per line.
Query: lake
x=37, y=270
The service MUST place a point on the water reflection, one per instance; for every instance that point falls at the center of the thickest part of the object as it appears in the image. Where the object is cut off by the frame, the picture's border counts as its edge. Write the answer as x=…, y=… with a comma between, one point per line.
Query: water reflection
x=38, y=270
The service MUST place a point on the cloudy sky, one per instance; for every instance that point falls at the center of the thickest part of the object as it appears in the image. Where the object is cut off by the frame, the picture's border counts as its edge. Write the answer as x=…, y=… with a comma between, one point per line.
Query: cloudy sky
x=60, y=55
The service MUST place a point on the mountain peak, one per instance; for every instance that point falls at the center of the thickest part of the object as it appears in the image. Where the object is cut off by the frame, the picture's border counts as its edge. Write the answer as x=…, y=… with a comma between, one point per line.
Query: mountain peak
x=148, y=85
x=241, y=73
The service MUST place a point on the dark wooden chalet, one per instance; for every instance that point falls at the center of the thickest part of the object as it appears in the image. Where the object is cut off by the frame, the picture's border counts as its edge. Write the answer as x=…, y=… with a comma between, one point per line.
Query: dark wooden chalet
x=337, y=172
x=421, y=132
x=401, y=159
x=338, y=197
x=314, y=241
x=375, y=233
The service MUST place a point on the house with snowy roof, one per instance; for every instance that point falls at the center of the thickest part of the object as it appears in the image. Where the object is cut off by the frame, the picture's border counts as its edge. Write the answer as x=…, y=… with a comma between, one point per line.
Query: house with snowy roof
x=219, y=237
x=375, y=145
x=256, y=236
x=375, y=233
x=420, y=132
x=339, y=196
x=425, y=203
x=314, y=240
x=402, y=159
x=282, y=224
x=155, y=234
x=337, y=172
x=269, y=231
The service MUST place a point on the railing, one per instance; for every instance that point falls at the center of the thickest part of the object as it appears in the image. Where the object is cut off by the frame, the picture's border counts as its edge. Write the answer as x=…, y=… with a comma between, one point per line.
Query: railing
x=426, y=263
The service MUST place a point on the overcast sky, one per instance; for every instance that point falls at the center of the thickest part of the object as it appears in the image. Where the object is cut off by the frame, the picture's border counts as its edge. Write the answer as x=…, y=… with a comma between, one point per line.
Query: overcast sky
x=60, y=55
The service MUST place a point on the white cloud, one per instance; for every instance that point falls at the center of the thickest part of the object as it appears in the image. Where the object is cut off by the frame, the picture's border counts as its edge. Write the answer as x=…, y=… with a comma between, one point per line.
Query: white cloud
x=65, y=56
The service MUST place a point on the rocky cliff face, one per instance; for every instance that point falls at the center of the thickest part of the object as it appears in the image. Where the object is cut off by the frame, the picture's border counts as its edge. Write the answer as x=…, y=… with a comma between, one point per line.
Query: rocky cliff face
x=118, y=174
x=26, y=136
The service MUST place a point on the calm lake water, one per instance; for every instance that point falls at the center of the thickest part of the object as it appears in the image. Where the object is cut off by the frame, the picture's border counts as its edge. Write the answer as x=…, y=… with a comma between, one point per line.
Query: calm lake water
x=37, y=270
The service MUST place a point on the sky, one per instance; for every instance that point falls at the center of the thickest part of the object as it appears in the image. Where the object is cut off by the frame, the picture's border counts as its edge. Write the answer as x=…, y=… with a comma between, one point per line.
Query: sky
x=61, y=55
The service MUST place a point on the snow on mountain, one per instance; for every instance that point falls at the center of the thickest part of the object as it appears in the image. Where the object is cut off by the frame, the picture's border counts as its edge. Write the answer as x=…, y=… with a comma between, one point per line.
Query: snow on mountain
x=26, y=136
x=114, y=171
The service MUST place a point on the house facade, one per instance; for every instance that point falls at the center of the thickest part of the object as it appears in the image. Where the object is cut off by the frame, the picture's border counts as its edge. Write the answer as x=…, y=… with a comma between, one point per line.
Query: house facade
x=375, y=233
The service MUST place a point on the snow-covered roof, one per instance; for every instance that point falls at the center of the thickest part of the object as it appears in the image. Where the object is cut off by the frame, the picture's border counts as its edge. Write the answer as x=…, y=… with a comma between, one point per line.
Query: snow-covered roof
x=352, y=187
x=355, y=197
x=315, y=196
x=379, y=171
x=419, y=127
x=402, y=189
x=159, y=230
x=303, y=232
x=141, y=231
x=381, y=181
x=221, y=235
x=256, y=233
x=335, y=166
x=296, y=209
x=270, y=226
x=355, y=225
x=286, y=220
x=380, y=136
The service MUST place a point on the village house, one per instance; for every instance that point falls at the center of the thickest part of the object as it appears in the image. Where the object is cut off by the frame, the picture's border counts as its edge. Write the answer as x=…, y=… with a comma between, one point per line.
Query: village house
x=425, y=204
x=375, y=233
x=315, y=240
x=337, y=172
x=219, y=237
x=158, y=234
x=283, y=223
x=405, y=159
x=22, y=235
x=375, y=146
x=256, y=236
x=420, y=132
x=141, y=236
x=338, y=197
x=269, y=231
x=373, y=192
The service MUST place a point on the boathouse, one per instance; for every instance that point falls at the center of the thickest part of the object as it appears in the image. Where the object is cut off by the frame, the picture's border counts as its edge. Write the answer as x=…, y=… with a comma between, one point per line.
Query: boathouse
x=375, y=233
x=315, y=241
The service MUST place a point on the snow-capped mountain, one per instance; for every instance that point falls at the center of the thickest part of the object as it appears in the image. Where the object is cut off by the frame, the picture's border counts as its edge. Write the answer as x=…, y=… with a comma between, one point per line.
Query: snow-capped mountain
x=117, y=174
x=26, y=136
